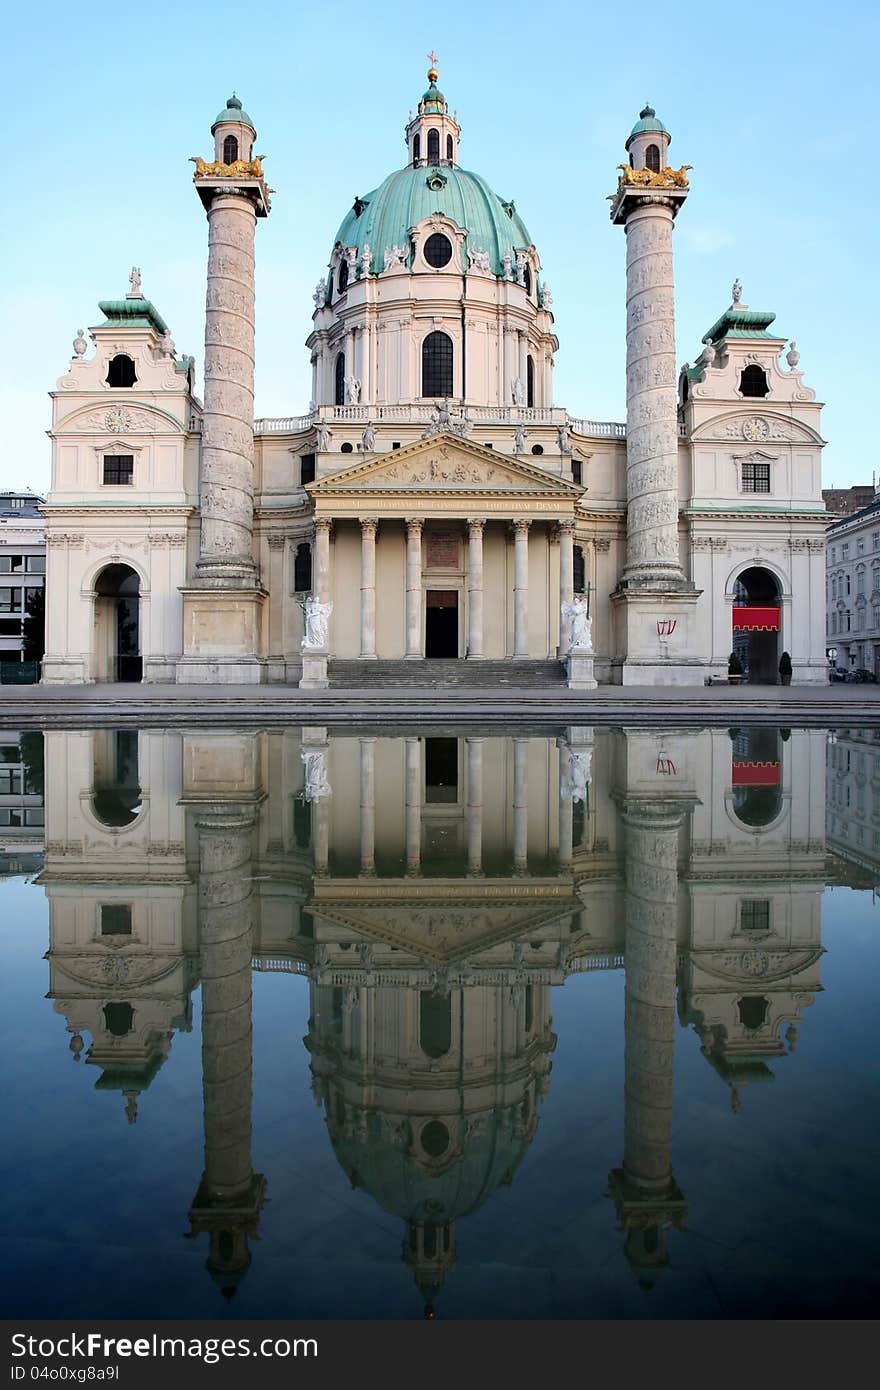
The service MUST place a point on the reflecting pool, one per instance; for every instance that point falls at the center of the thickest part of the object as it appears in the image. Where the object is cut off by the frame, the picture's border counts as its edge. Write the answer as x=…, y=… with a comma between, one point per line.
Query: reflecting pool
x=573, y=1024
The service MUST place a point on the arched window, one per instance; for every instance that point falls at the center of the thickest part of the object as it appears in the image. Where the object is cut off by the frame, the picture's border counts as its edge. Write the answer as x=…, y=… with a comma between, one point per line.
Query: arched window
x=753, y=381
x=753, y=1010
x=302, y=569
x=652, y=159
x=527, y=278
x=230, y=150
x=579, y=571
x=342, y=277
x=433, y=147
x=118, y=1019
x=121, y=371
x=417, y=148
x=437, y=365
x=339, y=392
x=435, y=1023
x=530, y=376
x=449, y=148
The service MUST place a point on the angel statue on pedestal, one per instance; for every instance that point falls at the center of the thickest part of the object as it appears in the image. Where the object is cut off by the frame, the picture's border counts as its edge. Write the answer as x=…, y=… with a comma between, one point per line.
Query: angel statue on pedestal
x=317, y=618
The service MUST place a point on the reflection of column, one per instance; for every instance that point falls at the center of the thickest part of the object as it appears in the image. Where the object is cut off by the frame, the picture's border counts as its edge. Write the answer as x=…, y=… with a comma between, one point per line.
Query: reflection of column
x=521, y=587
x=413, y=805
x=566, y=580
x=520, y=804
x=647, y=1196
x=475, y=804
x=227, y=1204
x=566, y=804
x=368, y=805
x=413, y=589
x=368, y=587
x=475, y=587
x=322, y=559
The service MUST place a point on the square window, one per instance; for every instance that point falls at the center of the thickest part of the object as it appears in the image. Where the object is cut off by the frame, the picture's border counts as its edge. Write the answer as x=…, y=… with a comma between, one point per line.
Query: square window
x=11, y=600
x=755, y=477
x=36, y=564
x=118, y=468
x=754, y=915
x=115, y=919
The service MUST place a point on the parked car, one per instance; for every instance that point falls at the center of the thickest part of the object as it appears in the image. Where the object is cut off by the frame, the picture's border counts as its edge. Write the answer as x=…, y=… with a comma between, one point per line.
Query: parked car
x=860, y=676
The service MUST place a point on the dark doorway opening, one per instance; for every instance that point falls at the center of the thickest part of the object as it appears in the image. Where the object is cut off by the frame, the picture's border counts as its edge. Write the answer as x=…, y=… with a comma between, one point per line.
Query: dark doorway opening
x=441, y=770
x=756, y=621
x=117, y=590
x=441, y=623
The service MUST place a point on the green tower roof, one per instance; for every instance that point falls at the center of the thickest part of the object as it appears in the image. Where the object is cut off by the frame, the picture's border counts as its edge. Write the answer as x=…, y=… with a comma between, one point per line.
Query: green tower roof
x=132, y=313
x=233, y=112
x=648, y=123
x=409, y=195
x=742, y=323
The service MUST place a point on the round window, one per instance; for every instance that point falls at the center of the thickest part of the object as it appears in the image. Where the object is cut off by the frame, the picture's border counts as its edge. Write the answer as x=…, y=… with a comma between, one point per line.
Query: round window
x=438, y=250
x=435, y=1138
x=537, y=449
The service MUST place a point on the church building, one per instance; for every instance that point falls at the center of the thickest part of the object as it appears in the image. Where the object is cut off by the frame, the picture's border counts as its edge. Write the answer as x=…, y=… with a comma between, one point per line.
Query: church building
x=434, y=503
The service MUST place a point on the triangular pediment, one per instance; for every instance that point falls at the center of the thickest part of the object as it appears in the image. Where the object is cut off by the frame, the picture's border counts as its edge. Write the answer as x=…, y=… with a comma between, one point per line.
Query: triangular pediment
x=440, y=929
x=448, y=464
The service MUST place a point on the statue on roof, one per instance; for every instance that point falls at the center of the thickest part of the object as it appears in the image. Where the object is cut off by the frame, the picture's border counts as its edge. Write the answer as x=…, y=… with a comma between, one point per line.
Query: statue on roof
x=792, y=357
x=737, y=291
x=134, y=280
x=79, y=343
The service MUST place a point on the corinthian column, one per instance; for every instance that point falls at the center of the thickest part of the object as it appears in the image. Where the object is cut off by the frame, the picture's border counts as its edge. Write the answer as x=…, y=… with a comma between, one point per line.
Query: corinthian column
x=475, y=587
x=520, y=805
x=475, y=805
x=566, y=581
x=521, y=588
x=368, y=587
x=413, y=748
x=414, y=589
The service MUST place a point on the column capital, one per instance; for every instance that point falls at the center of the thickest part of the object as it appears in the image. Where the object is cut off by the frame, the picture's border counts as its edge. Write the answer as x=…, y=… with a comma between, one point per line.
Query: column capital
x=323, y=523
x=566, y=526
x=521, y=525
x=415, y=523
x=276, y=542
x=369, y=523
x=476, y=523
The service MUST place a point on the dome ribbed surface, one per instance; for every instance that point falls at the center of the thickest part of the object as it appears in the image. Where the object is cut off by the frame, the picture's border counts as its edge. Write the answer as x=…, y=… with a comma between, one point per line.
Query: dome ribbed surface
x=405, y=198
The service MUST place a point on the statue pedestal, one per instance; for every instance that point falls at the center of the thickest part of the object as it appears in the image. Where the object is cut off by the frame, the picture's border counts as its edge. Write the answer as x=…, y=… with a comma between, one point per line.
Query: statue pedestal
x=314, y=672
x=656, y=637
x=579, y=666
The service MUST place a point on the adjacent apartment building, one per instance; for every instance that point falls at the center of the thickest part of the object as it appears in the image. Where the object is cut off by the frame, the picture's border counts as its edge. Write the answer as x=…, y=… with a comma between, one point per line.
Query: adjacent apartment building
x=22, y=565
x=852, y=584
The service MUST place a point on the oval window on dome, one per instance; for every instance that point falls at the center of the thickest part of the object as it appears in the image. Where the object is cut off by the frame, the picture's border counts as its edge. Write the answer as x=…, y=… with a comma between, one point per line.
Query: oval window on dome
x=438, y=250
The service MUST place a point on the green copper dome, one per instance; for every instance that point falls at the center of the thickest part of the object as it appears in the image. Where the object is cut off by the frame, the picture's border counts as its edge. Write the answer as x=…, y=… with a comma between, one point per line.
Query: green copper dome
x=409, y=195
x=433, y=97
x=233, y=112
x=648, y=122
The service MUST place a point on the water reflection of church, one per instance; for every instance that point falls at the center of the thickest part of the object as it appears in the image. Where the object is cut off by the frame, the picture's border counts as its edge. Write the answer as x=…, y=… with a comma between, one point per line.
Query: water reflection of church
x=433, y=890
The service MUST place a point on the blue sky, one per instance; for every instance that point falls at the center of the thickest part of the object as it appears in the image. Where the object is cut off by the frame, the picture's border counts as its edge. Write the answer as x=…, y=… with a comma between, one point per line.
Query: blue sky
x=775, y=106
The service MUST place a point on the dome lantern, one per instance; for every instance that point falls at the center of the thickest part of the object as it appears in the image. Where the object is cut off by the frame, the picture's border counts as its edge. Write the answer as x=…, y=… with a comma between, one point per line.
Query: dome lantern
x=648, y=142
x=233, y=132
x=432, y=135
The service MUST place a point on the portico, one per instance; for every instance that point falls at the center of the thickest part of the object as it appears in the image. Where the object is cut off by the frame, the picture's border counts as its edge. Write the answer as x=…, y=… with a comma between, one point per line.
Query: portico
x=472, y=552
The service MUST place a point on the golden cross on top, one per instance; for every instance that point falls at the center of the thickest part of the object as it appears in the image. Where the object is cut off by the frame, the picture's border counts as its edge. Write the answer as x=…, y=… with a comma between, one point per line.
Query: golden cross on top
x=432, y=58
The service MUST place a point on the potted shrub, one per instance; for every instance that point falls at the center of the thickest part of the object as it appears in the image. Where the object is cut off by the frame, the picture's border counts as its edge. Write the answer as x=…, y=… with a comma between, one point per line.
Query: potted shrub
x=785, y=668
x=734, y=669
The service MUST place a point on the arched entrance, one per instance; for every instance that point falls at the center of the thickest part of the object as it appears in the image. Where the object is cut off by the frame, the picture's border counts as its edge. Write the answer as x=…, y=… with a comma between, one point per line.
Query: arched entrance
x=117, y=625
x=116, y=799
x=756, y=776
x=757, y=618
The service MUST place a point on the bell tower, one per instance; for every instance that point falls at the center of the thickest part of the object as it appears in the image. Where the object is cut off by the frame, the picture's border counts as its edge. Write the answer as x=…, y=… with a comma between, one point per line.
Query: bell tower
x=222, y=604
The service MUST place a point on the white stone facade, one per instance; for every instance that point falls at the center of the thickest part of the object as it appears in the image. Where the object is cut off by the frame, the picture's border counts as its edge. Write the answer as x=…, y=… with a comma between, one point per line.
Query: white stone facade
x=852, y=591
x=488, y=502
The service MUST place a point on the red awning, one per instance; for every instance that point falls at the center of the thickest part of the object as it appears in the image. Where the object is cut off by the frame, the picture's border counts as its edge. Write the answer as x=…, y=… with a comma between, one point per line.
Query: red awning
x=756, y=619
x=754, y=774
